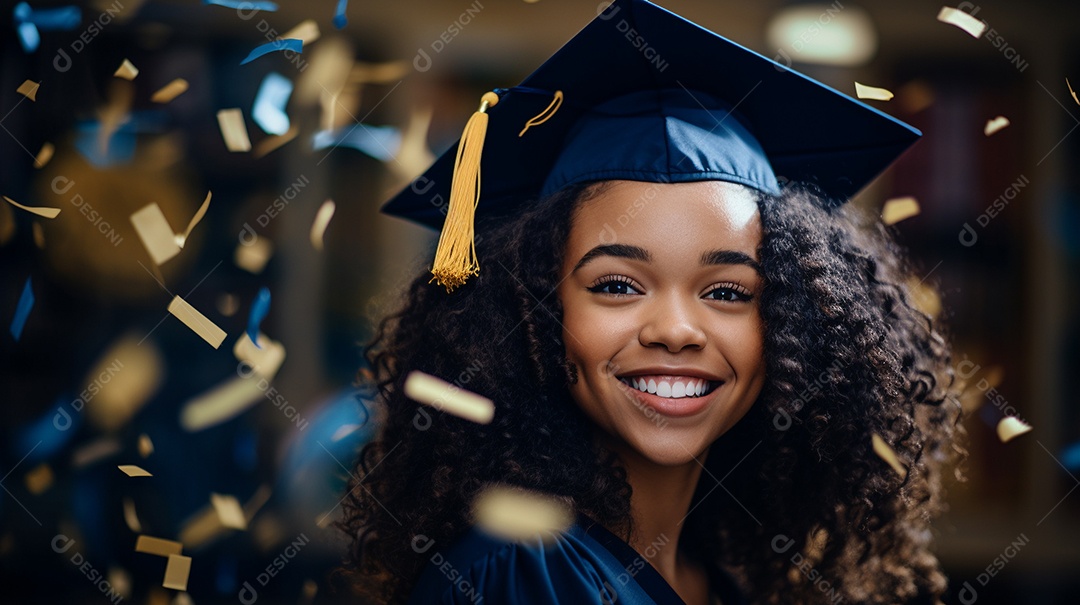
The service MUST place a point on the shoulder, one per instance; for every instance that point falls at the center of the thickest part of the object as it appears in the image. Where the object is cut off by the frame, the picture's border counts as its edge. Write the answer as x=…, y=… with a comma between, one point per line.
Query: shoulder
x=479, y=568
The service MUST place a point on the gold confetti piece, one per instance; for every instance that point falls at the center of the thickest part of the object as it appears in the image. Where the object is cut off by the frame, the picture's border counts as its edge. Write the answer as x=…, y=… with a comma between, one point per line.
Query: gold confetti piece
x=253, y=255
x=182, y=238
x=220, y=404
x=170, y=91
x=327, y=71
x=38, y=210
x=176, y=572
x=39, y=479
x=1011, y=427
x=233, y=129
x=379, y=73
x=202, y=528
x=963, y=20
x=29, y=89
x=924, y=297
x=43, y=156
x=157, y=596
x=519, y=514
x=413, y=155
x=915, y=96
x=228, y=511
x=887, y=454
x=870, y=92
x=127, y=71
x=182, y=598
x=995, y=125
x=306, y=31
x=898, y=209
x=263, y=361
x=95, y=452
x=132, y=470
x=311, y=588
x=269, y=144
x=125, y=376
x=7, y=223
x=198, y=322
x=1072, y=92
x=156, y=234
x=448, y=398
x=228, y=304
x=158, y=546
x=322, y=220
x=120, y=580
x=146, y=447
x=39, y=235
x=130, y=518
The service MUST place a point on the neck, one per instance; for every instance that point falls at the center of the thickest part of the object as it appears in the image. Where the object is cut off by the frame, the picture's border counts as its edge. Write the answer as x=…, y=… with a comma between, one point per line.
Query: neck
x=659, y=505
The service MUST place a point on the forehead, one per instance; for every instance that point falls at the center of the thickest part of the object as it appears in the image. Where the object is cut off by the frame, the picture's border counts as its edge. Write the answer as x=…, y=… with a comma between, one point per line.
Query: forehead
x=700, y=215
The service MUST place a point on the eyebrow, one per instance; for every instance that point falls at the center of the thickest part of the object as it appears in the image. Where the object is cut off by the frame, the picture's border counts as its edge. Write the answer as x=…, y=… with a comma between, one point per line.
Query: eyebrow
x=616, y=250
x=713, y=257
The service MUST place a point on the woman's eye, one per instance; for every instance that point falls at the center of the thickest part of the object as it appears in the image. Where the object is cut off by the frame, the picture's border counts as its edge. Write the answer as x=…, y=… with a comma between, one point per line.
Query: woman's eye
x=728, y=294
x=613, y=286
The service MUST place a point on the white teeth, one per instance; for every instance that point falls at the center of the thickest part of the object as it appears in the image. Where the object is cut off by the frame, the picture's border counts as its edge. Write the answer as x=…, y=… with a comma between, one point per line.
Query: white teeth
x=678, y=390
x=652, y=387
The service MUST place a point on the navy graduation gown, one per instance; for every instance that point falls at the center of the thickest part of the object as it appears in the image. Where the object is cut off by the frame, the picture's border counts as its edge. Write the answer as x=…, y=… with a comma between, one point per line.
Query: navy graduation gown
x=587, y=564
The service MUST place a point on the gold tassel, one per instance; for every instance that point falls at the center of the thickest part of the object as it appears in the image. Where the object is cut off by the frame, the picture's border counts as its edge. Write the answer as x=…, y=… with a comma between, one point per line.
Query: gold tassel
x=545, y=115
x=455, y=258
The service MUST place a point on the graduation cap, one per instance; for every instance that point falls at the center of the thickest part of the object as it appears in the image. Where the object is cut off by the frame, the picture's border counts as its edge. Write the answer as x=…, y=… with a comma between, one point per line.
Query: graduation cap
x=643, y=94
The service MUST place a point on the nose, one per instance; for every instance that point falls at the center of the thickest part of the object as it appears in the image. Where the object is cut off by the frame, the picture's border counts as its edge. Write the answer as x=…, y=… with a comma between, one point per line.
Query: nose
x=674, y=323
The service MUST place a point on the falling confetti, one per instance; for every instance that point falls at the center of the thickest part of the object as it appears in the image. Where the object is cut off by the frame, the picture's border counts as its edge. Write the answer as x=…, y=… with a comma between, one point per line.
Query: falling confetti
x=264, y=359
x=340, y=20
x=898, y=209
x=158, y=546
x=995, y=125
x=1011, y=427
x=197, y=321
x=249, y=5
x=269, y=144
x=1072, y=92
x=253, y=255
x=130, y=518
x=22, y=310
x=132, y=470
x=229, y=511
x=127, y=70
x=39, y=479
x=170, y=91
x=146, y=446
x=233, y=129
x=870, y=92
x=260, y=307
x=176, y=572
x=306, y=31
x=294, y=45
x=181, y=239
x=963, y=20
x=38, y=210
x=269, y=109
x=156, y=234
x=29, y=89
x=220, y=404
x=322, y=221
x=379, y=142
x=887, y=454
x=43, y=156
x=518, y=514
x=448, y=398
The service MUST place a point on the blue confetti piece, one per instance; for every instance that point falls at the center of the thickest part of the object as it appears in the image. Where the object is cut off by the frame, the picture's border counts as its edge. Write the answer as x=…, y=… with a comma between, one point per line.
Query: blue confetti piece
x=259, y=309
x=120, y=148
x=61, y=18
x=49, y=433
x=1070, y=457
x=292, y=44
x=379, y=142
x=244, y=5
x=29, y=37
x=269, y=109
x=22, y=311
x=340, y=20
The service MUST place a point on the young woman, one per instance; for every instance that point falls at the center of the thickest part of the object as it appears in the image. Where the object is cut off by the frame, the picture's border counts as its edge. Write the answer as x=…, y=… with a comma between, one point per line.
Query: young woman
x=694, y=354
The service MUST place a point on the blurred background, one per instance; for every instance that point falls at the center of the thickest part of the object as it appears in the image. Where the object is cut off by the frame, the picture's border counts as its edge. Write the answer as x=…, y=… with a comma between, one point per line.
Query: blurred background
x=248, y=447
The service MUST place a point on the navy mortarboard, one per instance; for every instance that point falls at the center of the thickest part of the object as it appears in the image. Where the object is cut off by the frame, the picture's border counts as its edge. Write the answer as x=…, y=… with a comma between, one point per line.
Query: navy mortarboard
x=642, y=94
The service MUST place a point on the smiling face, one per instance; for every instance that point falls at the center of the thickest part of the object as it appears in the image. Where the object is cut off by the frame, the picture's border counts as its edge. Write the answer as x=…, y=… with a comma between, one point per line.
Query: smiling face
x=660, y=292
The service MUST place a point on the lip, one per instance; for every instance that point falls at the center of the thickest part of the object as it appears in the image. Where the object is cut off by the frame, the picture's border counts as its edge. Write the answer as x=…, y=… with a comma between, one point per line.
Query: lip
x=674, y=408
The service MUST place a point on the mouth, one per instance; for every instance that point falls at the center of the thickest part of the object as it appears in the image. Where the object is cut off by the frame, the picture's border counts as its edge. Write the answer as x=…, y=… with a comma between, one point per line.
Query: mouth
x=672, y=387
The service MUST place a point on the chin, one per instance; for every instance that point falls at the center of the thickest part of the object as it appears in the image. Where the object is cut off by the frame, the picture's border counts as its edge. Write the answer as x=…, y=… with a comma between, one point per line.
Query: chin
x=667, y=447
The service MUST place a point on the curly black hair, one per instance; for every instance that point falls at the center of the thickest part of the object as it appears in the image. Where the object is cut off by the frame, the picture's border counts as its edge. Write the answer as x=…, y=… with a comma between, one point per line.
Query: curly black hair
x=808, y=514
